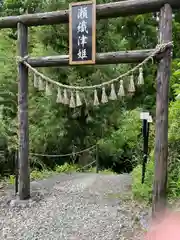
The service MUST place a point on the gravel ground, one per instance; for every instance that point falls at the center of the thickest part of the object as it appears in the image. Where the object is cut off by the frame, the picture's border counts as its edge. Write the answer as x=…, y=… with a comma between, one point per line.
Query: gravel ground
x=79, y=206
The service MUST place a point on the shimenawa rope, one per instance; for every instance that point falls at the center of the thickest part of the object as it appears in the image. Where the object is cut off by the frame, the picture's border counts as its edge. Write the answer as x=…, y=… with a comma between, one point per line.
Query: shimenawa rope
x=159, y=48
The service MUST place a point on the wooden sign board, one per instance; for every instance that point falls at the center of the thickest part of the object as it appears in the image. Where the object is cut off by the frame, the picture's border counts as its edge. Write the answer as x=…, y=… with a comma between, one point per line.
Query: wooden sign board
x=82, y=33
x=144, y=115
x=150, y=120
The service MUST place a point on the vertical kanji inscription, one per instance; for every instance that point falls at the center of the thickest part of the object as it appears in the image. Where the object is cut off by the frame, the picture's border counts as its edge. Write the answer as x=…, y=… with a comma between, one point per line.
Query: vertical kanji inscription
x=82, y=33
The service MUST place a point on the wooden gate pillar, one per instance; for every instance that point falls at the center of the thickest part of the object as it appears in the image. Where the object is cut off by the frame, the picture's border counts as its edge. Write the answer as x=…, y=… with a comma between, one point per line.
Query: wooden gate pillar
x=162, y=102
x=24, y=172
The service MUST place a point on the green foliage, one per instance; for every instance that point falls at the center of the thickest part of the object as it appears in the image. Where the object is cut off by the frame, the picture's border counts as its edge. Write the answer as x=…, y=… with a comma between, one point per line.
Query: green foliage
x=174, y=179
x=38, y=175
x=11, y=179
x=65, y=168
x=123, y=145
x=105, y=171
x=35, y=175
x=143, y=191
x=174, y=138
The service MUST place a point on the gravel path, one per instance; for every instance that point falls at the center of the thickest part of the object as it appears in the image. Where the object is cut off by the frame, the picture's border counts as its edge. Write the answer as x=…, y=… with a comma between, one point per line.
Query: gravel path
x=79, y=206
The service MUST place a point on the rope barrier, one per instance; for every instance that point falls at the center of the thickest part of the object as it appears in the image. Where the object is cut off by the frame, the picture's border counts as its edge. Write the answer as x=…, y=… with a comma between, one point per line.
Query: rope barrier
x=63, y=155
x=89, y=164
x=159, y=48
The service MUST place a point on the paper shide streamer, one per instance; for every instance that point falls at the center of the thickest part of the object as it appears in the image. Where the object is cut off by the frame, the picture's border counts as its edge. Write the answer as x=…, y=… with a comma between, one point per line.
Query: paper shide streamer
x=73, y=97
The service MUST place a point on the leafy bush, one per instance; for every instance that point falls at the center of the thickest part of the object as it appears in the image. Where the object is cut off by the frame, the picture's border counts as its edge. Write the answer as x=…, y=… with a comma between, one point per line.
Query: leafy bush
x=174, y=140
x=143, y=191
x=11, y=179
x=36, y=174
x=123, y=145
x=66, y=168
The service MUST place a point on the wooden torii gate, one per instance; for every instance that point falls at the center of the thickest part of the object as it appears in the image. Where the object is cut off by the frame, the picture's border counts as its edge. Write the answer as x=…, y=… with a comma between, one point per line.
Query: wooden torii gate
x=109, y=10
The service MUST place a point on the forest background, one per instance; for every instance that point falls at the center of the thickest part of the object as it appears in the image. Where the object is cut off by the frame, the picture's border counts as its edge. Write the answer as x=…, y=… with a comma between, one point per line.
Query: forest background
x=115, y=127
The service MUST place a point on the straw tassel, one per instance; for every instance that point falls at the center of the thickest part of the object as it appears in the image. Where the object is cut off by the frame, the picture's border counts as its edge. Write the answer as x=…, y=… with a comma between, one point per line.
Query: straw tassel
x=59, y=96
x=65, y=97
x=72, y=101
x=131, y=88
x=41, y=84
x=36, y=83
x=104, y=98
x=48, y=89
x=112, y=93
x=78, y=99
x=84, y=98
x=121, y=92
x=140, y=77
x=96, y=100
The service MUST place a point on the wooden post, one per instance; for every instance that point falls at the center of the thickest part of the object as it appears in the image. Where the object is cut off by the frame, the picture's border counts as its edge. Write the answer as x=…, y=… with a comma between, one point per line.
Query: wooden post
x=16, y=159
x=161, y=143
x=24, y=173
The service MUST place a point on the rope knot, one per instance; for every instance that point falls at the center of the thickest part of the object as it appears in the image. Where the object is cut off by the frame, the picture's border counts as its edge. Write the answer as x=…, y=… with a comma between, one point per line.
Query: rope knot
x=20, y=59
x=161, y=47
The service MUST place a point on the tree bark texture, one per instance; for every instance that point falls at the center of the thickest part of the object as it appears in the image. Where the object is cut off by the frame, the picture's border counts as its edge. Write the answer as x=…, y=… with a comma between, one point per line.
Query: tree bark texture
x=135, y=56
x=24, y=173
x=161, y=142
